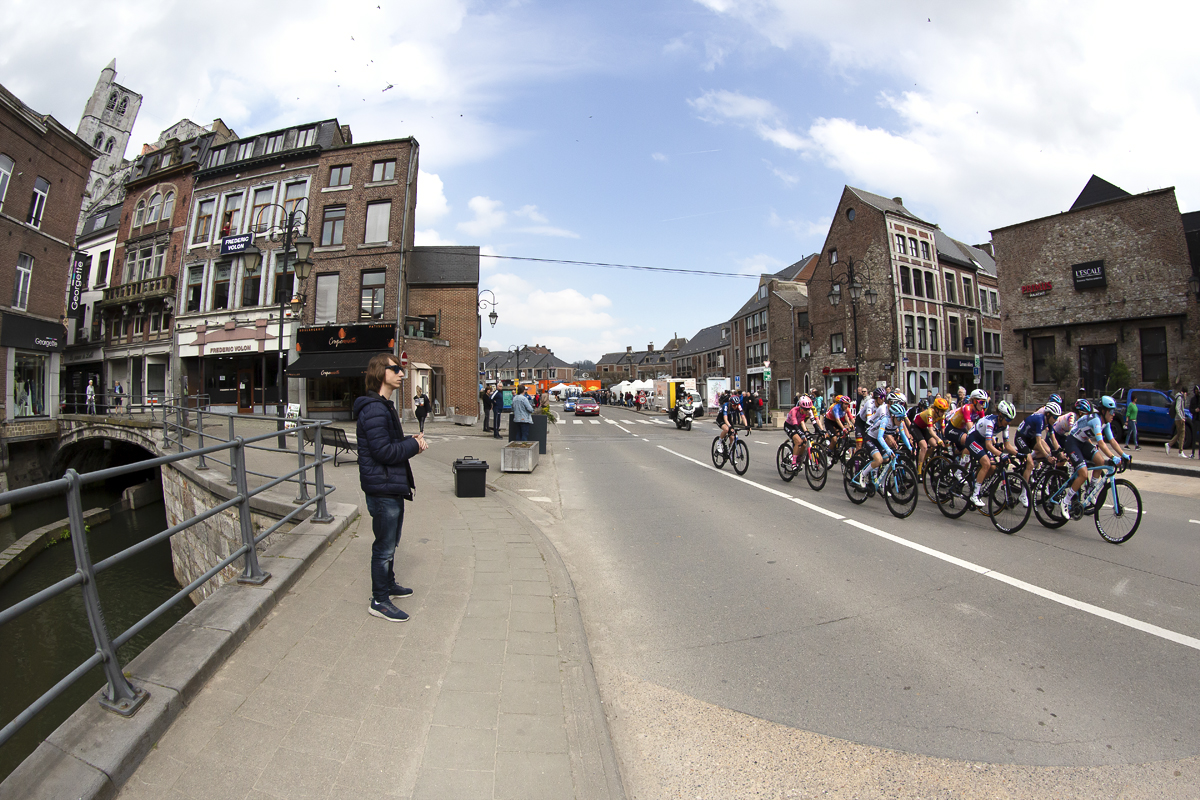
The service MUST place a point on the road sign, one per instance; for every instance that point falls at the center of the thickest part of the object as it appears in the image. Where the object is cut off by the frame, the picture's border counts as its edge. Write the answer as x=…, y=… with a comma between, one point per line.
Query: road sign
x=977, y=362
x=767, y=375
x=404, y=359
x=737, y=381
x=975, y=372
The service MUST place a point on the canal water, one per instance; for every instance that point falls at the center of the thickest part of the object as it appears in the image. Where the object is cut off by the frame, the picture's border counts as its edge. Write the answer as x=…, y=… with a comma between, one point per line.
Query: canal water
x=43, y=645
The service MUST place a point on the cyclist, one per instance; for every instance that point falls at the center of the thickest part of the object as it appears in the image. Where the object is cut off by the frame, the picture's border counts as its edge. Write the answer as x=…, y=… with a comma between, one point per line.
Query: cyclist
x=838, y=415
x=1090, y=441
x=728, y=416
x=925, y=429
x=866, y=407
x=963, y=420
x=796, y=424
x=873, y=441
x=1032, y=435
x=989, y=429
x=896, y=430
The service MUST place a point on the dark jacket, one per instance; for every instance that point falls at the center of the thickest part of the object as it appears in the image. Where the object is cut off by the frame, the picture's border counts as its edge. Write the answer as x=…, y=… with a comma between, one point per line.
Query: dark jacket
x=383, y=449
x=421, y=405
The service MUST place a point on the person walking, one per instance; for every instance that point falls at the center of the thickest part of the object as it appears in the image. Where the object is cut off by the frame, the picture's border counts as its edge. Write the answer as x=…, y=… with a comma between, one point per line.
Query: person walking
x=497, y=410
x=386, y=478
x=421, y=408
x=1131, y=415
x=485, y=397
x=1177, y=417
x=522, y=415
x=1194, y=408
x=119, y=391
x=91, y=398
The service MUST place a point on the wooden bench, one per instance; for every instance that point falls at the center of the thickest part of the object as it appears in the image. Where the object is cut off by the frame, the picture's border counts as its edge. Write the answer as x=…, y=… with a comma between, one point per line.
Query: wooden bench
x=335, y=438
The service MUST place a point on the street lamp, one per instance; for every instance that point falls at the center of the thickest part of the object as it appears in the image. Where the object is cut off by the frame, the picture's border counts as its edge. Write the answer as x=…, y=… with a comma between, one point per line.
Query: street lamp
x=857, y=290
x=484, y=303
x=516, y=350
x=292, y=234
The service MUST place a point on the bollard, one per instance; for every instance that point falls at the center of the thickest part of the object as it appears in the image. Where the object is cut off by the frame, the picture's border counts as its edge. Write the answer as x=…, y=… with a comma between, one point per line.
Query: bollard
x=302, y=497
x=322, y=514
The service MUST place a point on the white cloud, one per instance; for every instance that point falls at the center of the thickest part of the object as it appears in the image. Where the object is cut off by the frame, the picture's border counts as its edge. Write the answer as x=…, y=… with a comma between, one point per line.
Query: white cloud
x=489, y=217
x=531, y=213
x=548, y=230
x=810, y=231
x=431, y=198
x=658, y=157
x=1009, y=106
x=759, y=264
x=571, y=323
x=431, y=238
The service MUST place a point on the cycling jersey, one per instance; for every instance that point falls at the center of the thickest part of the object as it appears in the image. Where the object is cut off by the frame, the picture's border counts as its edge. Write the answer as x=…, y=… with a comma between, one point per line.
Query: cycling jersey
x=964, y=417
x=1091, y=429
x=929, y=418
x=1063, y=425
x=798, y=416
x=835, y=412
x=988, y=428
x=1034, y=426
x=878, y=421
x=865, y=409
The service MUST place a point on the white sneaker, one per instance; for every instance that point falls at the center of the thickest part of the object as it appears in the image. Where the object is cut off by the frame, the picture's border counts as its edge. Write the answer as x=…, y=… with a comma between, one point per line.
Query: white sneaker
x=1168, y=446
x=1064, y=505
x=976, y=501
x=1025, y=499
x=1184, y=455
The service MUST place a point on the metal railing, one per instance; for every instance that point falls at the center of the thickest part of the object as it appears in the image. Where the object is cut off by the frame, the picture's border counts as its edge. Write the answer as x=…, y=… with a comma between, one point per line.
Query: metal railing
x=120, y=695
x=111, y=403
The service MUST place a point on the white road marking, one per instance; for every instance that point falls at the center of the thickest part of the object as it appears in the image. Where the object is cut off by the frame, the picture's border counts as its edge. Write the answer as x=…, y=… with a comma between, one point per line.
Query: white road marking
x=622, y=427
x=578, y=422
x=593, y=421
x=756, y=441
x=540, y=499
x=645, y=422
x=1016, y=583
x=1195, y=521
x=530, y=490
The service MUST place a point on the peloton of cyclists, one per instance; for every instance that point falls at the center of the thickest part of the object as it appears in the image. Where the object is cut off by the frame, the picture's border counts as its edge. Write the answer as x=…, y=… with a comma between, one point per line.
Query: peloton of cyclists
x=1090, y=441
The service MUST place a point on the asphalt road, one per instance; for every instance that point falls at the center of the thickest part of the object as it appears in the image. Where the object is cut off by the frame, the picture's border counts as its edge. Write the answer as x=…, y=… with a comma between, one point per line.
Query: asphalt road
x=924, y=635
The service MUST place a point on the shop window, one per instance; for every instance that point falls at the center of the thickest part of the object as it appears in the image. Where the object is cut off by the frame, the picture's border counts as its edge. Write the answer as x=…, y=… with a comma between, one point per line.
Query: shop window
x=24, y=279
x=339, y=176
x=923, y=378
x=204, y=219
x=221, y=286
x=1043, y=351
x=1154, y=354
x=371, y=306
x=911, y=385
x=331, y=227
x=195, y=287
x=836, y=343
x=383, y=170
x=935, y=382
x=37, y=204
x=29, y=384
x=379, y=217
x=327, y=299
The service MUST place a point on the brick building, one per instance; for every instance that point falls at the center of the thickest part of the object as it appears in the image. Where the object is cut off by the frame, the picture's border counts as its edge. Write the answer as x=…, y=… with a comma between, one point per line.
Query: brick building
x=43, y=175
x=970, y=320
x=706, y=355
x=84, y=356
x=790, y=341
x=1106, y=280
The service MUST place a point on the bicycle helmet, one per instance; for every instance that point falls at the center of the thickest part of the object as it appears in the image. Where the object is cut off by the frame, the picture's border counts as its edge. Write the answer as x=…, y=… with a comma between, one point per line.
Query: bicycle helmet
x=805, y=401
x=1108, y=404
x=1006, y=410
x=941, y=404
x=841, y=398
x=1082, y=407
x=880, y=393
x=1056, y=398
x=979, y=394
x=896, y=409
x=1053, y=409
x=895, y=397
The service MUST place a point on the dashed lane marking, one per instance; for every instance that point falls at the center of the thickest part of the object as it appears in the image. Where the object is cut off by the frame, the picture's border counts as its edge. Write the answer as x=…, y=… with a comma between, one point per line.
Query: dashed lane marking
x=593, y=421
x=541, y=499
x=1016, y=583
x=578, y=422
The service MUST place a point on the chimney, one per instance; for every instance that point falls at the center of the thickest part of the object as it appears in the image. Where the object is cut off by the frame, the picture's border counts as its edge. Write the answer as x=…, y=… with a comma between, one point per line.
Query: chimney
x=347, y=136
x=987, y=248
x=650, y=347
x=898, y=201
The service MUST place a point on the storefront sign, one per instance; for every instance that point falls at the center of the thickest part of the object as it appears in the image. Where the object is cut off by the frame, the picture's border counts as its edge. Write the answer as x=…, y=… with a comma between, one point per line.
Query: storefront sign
x=32, y=334
x=75, y=285
x=1037, y=289
x=82, y=356
x=236, y=245
x=340, y=338
x=838, y=371
x=968, y=343
x=247, y=347
x=960, y=363
x=1089, y=275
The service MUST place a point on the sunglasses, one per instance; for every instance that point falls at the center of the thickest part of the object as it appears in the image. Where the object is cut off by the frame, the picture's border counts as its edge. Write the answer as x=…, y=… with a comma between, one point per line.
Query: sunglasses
x=396, y=368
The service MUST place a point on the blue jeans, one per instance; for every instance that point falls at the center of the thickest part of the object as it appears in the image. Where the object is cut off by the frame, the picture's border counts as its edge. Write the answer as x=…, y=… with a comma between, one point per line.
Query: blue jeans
x=1131, y=430
x=387, y=518
x=522, y=431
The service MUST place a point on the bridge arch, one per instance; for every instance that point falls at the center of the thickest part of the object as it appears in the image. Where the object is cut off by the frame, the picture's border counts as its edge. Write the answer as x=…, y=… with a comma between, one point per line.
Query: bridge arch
x=86, y=445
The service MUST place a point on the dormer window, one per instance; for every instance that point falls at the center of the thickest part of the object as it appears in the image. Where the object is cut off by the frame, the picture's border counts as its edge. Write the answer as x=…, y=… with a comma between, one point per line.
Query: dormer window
x=274, y=144
x=762, y=292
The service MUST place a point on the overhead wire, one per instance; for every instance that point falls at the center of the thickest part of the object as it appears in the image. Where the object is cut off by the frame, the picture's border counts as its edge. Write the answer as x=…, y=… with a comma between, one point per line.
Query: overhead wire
x=676, y=270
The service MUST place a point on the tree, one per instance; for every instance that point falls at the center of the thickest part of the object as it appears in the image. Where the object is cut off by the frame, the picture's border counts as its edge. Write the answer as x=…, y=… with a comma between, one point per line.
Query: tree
x=1060, y=368
x=1119, y=377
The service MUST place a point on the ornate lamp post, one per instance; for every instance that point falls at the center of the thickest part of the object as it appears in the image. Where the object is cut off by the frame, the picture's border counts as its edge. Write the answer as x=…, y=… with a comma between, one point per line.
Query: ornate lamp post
x=857, y=290
x=292, y=233
x=485, y=303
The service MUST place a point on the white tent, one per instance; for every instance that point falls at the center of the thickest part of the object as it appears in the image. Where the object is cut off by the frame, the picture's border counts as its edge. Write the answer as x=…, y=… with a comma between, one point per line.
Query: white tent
x=621, y=388
x=642, y=386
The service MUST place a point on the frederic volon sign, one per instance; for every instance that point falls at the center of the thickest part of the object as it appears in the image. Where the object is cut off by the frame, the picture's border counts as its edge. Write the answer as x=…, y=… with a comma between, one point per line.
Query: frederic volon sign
x=1089, y=275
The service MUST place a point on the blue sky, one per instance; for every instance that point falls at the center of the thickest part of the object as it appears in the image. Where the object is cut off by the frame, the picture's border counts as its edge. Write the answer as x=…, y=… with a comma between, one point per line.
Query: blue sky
x=697, y=134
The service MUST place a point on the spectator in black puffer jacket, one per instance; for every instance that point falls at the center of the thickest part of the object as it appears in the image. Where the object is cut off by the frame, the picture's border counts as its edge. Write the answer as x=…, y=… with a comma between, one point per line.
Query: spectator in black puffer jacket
x=386, y=478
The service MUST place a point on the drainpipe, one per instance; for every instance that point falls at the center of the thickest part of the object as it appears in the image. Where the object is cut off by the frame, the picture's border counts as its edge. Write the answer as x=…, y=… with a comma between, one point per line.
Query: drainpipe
x=402, y=293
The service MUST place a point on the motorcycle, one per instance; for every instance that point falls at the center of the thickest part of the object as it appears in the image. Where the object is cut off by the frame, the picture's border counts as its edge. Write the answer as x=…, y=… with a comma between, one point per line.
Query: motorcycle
x=682, y=414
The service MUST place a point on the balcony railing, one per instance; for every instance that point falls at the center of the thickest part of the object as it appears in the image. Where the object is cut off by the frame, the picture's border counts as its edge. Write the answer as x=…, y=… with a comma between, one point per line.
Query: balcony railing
x=134, y=291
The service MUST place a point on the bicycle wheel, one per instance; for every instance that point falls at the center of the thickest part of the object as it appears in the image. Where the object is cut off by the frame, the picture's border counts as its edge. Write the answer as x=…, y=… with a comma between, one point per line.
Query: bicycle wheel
x=1117, y=521
x=741, y=457
x=949, y=492
x=718, y=455
x=934, y=466
x=1004, y=507
x=1045, y=506
x=783, y=461
x=815, y=470
x=900, y=491
x=857, y=494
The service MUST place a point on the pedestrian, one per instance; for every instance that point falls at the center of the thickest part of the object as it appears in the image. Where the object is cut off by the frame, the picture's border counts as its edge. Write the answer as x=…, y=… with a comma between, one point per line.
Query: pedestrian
x=119, y=391
x=91, y=398
x=1131, y=415
x=1194, y=408
x=1177, y=409
x=522, y=415
x=497, y=410
x=760, y=407
x=421, y=408
x=485, y=397
x=386, y=478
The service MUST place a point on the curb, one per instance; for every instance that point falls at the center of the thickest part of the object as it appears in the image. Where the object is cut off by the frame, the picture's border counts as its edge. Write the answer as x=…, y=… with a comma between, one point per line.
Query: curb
x=593, y=757
x=1165, y=469
x=93, y=753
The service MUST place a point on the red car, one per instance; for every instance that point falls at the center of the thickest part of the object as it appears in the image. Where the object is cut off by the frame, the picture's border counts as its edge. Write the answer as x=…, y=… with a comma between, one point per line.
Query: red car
x=586, y=406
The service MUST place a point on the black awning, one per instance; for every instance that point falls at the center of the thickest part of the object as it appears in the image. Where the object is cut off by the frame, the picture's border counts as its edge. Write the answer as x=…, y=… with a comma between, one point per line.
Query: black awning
x=330, y=365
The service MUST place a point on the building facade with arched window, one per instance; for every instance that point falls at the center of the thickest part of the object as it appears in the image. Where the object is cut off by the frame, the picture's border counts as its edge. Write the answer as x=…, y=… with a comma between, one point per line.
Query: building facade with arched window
x=106, y=123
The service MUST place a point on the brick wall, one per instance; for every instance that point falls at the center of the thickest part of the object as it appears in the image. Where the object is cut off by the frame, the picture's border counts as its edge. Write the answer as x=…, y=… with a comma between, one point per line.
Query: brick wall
x=457, y=344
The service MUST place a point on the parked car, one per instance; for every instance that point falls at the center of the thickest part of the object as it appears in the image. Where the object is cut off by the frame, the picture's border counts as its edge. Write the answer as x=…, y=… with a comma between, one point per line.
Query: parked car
x=587, y=406
x=1154, y=414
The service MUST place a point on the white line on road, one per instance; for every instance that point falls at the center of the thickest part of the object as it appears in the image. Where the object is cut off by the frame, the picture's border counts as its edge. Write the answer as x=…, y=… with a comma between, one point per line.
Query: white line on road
x=1196, y=521
x=756, y=441
x=593, y=421
x=622, y=427
x=578, y=422
x=1016, y=583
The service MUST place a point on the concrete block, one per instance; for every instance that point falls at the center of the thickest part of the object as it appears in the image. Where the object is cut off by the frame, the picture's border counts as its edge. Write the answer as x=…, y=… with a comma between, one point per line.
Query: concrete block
x=50, y=774
x=183, y=659
x=519, y=457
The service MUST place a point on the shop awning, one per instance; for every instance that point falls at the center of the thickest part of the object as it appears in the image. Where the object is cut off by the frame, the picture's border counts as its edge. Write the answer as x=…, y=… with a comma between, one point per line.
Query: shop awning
x=330, y=365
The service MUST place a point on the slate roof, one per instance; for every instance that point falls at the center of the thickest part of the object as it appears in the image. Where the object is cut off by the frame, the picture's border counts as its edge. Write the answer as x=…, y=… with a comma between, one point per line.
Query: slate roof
x=449, y=265
x=1098, y=191
x=964, y=255
x=101, y=223
x=794, y=295
x=885, y=204
x=705, y=339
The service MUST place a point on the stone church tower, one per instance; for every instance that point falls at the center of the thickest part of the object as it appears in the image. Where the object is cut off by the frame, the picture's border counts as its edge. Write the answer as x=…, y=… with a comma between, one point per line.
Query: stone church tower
x=107, y=122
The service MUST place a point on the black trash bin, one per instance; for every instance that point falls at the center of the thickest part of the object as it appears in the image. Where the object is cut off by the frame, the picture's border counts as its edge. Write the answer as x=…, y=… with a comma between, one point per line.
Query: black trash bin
x=470, y=477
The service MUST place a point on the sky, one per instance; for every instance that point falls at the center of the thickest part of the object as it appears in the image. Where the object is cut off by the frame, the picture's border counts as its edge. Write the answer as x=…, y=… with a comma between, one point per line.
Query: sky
x=710, y=135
